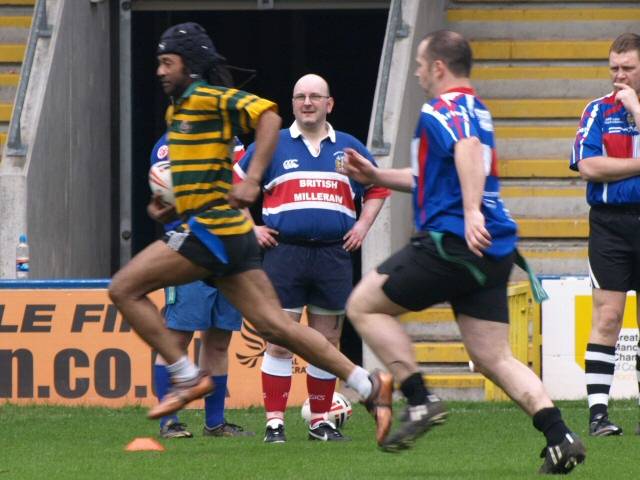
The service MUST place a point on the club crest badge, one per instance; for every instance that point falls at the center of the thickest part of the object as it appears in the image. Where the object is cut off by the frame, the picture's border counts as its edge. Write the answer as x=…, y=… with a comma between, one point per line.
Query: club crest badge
x=339, y=158
x=185, y=127
x=630, y=120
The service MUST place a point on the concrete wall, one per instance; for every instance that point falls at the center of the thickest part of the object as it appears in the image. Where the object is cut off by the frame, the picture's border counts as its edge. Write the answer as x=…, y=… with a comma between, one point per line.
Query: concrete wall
x=404, y=98
x=67, y=125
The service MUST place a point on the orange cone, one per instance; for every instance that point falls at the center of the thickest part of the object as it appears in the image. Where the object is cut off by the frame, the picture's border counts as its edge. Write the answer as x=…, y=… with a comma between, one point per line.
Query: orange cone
x=144, y=444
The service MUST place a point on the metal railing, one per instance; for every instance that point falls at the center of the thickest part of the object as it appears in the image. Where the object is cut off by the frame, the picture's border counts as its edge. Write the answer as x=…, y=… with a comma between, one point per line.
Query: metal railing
x=397, y=29
x=40, y=28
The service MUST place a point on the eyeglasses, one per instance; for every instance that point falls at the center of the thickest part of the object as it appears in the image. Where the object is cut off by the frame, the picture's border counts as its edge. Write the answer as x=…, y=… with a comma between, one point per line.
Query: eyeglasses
x=314, y=97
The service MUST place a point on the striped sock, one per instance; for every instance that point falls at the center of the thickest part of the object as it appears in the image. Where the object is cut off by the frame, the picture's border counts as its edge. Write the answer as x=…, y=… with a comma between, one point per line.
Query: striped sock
x=600, y=364
x=214, y=403
x=162, y=383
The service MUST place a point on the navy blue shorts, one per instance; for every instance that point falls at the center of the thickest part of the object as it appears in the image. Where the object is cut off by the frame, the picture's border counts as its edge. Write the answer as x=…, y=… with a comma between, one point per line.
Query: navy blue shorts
x=198, y=307
x=318, y=275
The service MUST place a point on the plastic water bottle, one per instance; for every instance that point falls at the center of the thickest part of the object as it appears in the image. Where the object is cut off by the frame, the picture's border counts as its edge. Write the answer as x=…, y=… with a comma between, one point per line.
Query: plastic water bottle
x=22, y=258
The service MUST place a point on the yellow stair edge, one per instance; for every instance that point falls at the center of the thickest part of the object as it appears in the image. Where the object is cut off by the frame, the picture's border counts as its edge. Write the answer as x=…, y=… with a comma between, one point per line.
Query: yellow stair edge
x=460, y=380
x=537, y=107
x=536, y=131
x=17, y=2
x=539, y=191
x=440, y=352
x=484, y=72
x=9, y=79
x=540, y=49
x=542, y=14
x=430, y=315
x=12, y=53
x=5, y=112
x=15, y=21
x=535, y=168
x=553, y=227
x=3, y=138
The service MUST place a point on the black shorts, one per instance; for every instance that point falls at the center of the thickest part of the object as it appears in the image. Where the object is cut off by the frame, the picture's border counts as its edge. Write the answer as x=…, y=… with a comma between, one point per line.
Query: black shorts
x=243, y=253
x=318, y=275
x=419, y=277
x=614, y=247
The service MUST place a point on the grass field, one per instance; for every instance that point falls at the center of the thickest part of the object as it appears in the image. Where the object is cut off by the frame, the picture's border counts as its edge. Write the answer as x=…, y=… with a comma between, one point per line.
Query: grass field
x=481, y=440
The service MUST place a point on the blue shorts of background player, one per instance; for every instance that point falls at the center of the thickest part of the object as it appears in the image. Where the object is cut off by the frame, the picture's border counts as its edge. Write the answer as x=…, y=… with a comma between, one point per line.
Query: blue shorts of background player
x=199, y=307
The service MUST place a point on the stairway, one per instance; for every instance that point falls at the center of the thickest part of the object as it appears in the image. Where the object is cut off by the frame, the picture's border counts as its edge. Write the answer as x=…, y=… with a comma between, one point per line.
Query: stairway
x=15, y=21
x=537, y=65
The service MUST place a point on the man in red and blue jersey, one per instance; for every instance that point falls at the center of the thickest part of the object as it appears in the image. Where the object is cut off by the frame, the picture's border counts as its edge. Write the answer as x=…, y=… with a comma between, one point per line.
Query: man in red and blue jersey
x=463, y=253
x=606, y=152
x=309, y=211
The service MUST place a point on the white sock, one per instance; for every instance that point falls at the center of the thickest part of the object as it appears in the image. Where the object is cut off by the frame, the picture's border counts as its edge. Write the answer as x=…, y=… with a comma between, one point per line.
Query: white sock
x=182, y=370
x=359, y=381
x=275, y=422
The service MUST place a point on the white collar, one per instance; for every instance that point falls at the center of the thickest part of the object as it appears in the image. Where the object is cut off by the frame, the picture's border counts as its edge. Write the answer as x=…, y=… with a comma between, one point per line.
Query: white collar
x=295, y=132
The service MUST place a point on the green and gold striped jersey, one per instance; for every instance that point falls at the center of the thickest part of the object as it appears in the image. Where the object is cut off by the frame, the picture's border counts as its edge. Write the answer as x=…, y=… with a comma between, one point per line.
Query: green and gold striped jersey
x=201, y=128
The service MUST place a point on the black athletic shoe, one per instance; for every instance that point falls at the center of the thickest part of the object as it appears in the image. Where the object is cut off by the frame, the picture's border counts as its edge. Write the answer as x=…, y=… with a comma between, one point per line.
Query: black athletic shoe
x=275, y=435
x=415, y=422
x=226, y=430
x=601, y=426
x=173, y=429
x=562, y=458
x=326, y=432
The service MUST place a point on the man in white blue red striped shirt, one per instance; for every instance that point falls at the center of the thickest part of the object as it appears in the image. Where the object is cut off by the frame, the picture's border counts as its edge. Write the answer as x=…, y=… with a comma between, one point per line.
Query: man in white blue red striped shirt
x=606, y=152
x=463, y=252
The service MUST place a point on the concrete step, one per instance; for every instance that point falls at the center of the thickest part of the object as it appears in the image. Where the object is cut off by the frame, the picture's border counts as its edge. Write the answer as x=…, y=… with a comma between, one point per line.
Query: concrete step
x=527, y=108
x=540, y=49
x=544, y=198
x=536, y=168
x=558, y=257
x=535, y=138
x=533, y=22
x=8, y=86
x=14, y=29
x=542, y=80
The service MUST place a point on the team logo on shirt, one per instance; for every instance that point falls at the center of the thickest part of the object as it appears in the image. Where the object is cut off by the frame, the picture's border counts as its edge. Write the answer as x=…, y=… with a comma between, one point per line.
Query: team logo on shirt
x=163, y=151
x=630, y=120
x=185, y=127
x=339, y=158
x=290, y=163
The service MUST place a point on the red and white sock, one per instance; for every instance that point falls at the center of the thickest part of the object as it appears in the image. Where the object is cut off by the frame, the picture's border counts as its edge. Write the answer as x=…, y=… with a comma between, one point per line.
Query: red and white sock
x=276, y=383
x=320, y=385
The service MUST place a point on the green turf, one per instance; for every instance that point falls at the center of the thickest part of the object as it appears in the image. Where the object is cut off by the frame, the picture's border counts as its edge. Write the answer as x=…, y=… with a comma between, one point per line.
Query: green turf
x=481, y=440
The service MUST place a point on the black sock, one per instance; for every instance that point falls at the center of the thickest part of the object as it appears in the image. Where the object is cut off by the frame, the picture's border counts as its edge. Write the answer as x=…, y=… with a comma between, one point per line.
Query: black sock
x=414, y=389
x=549, y=421
x=596, y=409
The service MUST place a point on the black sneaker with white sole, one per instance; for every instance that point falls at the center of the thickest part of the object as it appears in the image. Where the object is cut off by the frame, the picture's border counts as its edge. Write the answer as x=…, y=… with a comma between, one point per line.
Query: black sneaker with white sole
x=601, y=426
x=275, y=434
x=415, y=422
x=562, y=458
x=326, y=432
x=173, y=429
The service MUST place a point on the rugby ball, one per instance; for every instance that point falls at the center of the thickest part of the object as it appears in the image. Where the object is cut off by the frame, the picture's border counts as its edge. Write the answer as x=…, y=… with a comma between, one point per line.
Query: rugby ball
x=160, y=181
x=340, y=412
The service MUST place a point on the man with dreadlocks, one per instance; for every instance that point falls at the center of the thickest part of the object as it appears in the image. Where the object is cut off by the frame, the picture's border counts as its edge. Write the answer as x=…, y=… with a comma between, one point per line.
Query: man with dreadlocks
x=215, y=241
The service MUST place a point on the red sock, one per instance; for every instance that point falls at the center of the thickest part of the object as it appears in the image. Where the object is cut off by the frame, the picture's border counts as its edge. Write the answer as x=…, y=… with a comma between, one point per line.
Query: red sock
x=275, y=392
x=320, y=397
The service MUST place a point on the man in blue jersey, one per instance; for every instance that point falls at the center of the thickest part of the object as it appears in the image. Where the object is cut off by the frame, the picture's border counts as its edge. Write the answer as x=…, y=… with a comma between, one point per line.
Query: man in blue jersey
x=309, y=211
x=606, y=152
x=197, y=307
x=462, y=253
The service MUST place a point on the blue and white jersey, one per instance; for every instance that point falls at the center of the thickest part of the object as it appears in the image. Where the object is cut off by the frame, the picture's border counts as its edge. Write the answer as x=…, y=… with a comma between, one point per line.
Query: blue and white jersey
x=304, y=196
x=607, y=129
x=437, y=195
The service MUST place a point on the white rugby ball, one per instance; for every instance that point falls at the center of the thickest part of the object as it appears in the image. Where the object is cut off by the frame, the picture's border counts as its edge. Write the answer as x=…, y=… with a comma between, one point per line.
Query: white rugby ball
x=160, y=181
x=340, y=412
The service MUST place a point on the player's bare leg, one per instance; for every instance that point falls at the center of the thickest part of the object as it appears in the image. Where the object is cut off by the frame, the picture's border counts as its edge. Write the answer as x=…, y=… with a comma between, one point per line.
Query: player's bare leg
x=159, y=266
x=372, y=314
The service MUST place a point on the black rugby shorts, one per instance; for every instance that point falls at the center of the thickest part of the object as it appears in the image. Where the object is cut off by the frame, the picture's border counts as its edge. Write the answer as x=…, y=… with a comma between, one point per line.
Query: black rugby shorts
x=419, y=277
